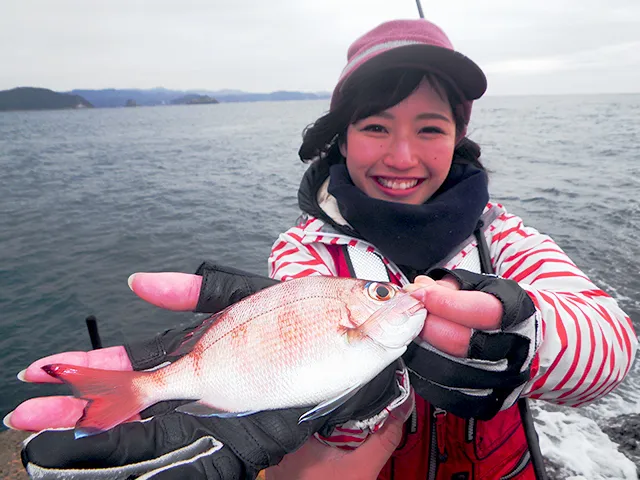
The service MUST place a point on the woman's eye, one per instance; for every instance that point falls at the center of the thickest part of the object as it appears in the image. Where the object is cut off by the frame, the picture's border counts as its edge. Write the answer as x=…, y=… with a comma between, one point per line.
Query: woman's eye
x=431, y=130
x=374, y=128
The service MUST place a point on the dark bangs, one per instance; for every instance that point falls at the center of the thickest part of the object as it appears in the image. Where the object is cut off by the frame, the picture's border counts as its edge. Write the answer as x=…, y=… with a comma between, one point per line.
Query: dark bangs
x=376, y=94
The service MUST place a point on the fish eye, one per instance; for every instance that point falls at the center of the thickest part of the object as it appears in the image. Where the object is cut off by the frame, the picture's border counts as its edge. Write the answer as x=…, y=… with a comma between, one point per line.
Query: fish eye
x=380, y=291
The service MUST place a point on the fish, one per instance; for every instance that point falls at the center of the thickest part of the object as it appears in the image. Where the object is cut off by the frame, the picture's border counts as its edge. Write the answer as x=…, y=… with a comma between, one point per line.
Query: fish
x=309, y=342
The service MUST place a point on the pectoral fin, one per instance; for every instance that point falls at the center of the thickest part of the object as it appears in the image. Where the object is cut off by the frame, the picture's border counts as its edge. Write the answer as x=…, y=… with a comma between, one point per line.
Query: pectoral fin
x=201, y=409
x=194, y=335
x=330, y=405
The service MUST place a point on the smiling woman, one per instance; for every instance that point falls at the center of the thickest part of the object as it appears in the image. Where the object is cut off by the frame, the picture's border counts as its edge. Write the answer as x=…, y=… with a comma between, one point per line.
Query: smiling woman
x=399, y=134
x=403, y=153
x=396, y=191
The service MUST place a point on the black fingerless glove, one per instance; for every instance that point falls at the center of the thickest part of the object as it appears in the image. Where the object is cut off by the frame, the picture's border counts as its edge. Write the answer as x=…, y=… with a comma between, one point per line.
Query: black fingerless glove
x=224, y=286
x=498, y=363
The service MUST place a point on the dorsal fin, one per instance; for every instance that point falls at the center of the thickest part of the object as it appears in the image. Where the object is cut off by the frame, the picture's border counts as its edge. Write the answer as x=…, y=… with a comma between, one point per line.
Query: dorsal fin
x=192, y=337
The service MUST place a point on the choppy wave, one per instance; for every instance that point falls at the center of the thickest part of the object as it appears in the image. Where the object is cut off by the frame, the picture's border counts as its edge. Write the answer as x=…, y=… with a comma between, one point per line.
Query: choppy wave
x=89, y=197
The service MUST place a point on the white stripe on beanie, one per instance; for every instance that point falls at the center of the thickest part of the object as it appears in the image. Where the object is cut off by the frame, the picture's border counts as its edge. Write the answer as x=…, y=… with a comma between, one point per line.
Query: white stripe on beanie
x=376, y=48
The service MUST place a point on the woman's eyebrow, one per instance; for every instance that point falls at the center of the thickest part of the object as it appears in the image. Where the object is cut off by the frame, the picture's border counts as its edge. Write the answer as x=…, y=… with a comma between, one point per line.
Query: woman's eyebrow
x=421, y=116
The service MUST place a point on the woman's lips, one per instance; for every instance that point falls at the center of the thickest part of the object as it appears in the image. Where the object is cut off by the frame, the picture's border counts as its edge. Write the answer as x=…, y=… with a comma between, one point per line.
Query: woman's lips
x=395, y=186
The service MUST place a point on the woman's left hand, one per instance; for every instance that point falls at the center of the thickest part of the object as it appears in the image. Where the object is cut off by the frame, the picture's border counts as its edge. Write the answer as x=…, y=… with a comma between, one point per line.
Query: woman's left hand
x=453, y=314
x=475, y=353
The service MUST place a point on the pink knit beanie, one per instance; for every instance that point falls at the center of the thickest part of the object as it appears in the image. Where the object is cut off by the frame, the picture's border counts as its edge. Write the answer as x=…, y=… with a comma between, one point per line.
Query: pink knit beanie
x=414, y=44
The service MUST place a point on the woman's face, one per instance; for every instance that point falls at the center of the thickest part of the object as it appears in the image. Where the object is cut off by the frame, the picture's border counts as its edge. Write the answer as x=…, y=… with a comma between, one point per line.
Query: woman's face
x=403, y=154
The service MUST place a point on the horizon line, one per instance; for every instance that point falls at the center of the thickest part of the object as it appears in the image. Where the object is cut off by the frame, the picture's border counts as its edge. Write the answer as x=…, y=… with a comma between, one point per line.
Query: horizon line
x=317, y=92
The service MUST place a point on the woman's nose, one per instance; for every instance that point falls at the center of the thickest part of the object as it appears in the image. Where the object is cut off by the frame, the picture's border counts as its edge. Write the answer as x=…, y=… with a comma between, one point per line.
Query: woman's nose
x=401, y=155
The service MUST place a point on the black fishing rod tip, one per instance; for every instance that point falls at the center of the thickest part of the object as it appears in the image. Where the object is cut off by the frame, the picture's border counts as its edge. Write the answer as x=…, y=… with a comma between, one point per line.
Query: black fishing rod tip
x=94, y=335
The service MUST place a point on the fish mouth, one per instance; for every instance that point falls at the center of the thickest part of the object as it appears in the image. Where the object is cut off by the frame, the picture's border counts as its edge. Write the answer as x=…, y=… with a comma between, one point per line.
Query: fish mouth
x=415, y=309
x=402, y=306
x=395, y=324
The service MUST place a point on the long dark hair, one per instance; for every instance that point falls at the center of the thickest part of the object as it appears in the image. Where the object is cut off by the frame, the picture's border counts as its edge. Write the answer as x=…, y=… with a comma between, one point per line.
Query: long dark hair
x=366, y=96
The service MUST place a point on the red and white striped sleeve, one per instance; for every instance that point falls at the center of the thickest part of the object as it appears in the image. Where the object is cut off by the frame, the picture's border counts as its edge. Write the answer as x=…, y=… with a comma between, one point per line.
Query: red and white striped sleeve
x=290, y=258
x=588, y=342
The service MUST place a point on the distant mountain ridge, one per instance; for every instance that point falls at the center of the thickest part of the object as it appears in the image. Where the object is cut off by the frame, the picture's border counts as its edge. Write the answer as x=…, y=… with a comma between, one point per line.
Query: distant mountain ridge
x=30, y=98
x=112, y=97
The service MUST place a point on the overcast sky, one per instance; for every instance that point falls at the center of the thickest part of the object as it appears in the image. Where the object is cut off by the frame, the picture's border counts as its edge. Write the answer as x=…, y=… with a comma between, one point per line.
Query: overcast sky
x=524, y=46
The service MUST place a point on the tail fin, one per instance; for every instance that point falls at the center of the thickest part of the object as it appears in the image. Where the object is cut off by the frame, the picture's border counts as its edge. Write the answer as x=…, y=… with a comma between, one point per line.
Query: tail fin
x=111, y=394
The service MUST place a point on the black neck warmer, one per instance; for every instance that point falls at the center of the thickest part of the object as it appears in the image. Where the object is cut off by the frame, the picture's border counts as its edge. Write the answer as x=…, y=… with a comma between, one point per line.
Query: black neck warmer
x=415, y=237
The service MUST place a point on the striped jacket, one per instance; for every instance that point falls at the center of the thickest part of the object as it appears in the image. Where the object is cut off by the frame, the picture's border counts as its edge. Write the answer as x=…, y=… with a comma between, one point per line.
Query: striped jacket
x=588, y=343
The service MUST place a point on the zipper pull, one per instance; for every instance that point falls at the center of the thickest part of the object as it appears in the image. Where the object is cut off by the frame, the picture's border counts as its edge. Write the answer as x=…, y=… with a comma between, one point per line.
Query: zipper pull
x=413, y=421
x=440, y=417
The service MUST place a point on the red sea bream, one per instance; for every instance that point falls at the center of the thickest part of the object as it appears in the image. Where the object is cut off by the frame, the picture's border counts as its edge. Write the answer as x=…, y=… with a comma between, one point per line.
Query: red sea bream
x=308, y=342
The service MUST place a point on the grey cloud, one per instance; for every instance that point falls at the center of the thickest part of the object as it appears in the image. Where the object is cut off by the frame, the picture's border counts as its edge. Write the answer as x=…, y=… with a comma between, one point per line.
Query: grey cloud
x=295, y=44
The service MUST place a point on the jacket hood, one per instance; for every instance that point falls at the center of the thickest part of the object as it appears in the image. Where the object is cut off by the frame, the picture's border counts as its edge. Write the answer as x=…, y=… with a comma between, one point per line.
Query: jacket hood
x=314, y=198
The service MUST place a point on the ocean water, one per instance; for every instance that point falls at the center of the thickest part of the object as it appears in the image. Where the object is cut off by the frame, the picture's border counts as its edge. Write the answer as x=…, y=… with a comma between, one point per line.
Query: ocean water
x=89, y=197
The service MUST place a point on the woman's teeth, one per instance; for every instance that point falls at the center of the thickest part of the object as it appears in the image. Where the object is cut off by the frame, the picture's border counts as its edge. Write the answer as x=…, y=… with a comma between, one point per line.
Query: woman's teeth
x=397, y=184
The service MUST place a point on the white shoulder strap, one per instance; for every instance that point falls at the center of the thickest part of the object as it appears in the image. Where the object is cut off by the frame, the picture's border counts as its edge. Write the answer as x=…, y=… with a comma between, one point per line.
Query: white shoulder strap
x=366, y=265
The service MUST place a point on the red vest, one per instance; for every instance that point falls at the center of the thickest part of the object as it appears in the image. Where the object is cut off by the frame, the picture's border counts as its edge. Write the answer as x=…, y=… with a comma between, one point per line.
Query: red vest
x=437, y=445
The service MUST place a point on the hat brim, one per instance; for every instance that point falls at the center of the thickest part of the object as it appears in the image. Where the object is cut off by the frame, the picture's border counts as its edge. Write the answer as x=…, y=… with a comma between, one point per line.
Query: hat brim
x=455, y=67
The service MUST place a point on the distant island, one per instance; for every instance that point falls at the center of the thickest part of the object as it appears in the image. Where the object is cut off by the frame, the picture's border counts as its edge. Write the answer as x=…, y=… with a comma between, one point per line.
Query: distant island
x=29, y=98
x=194, y=99
x=112, y=97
